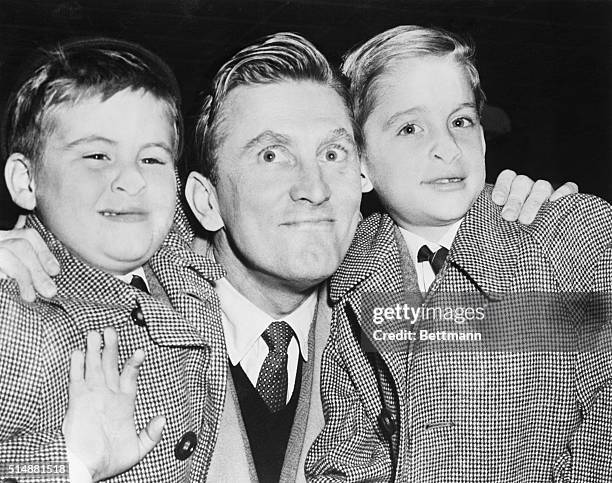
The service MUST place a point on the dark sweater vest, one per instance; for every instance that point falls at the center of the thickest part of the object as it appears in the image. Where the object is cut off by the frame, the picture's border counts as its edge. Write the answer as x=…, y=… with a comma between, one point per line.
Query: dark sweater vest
x=268, y=432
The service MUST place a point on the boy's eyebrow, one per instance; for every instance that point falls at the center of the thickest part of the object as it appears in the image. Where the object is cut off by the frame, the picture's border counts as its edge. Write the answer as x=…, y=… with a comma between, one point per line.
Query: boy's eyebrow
x=90, y=139
x=95, y=138
x=471, y=105
x=162, y=145
x=265, y=137
x=389, y=122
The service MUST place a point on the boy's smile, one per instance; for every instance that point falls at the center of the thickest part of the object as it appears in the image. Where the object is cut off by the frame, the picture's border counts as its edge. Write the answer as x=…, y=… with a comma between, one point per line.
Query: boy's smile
x=424, y=144
x=105, y=186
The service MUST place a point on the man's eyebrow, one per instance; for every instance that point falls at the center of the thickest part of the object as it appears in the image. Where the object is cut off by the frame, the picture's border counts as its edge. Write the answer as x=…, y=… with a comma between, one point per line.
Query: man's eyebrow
x=393, y=119
x=339, y=134
x=266, y=137
x=90, y=139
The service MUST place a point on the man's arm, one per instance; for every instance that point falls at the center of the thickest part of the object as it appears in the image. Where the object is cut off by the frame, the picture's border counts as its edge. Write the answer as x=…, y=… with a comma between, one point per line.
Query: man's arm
x=25, y=257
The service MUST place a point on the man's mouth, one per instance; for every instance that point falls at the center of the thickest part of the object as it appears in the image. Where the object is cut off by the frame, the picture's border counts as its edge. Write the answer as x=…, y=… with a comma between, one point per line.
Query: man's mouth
x=310, y=222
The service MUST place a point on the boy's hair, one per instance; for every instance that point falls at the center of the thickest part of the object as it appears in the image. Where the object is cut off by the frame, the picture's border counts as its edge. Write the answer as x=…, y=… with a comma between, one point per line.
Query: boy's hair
x=365, y=64
x=78, y=70
x=276, y=58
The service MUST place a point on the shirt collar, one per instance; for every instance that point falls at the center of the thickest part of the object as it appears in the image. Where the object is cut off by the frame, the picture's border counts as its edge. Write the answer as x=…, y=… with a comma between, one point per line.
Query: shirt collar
x=127, y=278
x=415, y=242
x=244, y=322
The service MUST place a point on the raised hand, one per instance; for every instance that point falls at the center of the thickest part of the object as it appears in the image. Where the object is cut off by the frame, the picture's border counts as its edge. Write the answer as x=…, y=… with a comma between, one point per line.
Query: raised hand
x=99, y=424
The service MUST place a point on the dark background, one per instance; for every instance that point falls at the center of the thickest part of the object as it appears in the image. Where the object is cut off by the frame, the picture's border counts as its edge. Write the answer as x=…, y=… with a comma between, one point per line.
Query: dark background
x=546, y=64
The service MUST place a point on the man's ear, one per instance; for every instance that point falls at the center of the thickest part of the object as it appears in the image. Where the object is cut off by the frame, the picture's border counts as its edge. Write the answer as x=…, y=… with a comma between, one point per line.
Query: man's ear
x=366, y=184
x=201, y=196
x=19, y=178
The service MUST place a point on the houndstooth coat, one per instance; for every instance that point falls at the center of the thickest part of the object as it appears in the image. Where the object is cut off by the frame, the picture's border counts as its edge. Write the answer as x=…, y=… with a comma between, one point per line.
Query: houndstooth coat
x=183, y=376
x=531, y=401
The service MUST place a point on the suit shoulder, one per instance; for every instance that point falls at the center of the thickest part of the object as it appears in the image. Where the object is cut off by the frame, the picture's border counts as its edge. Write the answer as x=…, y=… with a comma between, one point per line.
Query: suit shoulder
x=578, y=219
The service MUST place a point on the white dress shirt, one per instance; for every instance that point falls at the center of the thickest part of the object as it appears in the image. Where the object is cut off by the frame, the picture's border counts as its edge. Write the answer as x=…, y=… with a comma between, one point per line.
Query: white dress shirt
x=244, y=323
x=425, y=273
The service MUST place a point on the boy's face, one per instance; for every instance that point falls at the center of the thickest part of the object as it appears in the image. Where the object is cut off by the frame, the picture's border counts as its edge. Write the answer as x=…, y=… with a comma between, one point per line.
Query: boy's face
x=424, y=144
x=105, y=185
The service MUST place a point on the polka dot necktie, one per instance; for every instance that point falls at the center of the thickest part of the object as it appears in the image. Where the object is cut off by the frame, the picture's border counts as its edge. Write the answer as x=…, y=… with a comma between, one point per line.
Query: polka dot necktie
x=272, y=380
x=435, y=259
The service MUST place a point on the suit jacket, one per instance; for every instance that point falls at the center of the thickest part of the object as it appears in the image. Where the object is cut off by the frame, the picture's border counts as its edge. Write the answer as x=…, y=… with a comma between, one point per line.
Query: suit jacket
x=530, y=401
x=232, y=459
x=183, y=376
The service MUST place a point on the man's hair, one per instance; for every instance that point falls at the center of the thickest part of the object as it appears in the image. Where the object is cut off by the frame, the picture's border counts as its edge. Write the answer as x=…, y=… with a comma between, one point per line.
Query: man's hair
x=276, y=58
x=366, y=64
x=79, y=70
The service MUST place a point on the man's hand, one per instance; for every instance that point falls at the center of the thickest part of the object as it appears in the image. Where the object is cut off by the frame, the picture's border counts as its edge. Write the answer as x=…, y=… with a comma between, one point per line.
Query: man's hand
x=522, y=198
x=99, y=424
x=25, y=258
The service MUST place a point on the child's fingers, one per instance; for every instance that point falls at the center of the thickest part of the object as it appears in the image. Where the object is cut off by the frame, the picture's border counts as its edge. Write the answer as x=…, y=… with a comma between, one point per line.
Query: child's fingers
x=131, y=369
x=93, y=364
x=110, y=354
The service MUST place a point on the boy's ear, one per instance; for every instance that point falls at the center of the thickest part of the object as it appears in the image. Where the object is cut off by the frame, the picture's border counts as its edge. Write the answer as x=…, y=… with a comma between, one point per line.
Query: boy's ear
x=366, y=184
x=19, y=178
x=201, y=196
x=482, y=140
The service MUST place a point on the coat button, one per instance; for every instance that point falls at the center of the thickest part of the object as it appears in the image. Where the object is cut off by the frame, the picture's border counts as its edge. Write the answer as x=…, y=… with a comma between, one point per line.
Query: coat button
x=186, y=446
x=387, y=421
x=137, y=316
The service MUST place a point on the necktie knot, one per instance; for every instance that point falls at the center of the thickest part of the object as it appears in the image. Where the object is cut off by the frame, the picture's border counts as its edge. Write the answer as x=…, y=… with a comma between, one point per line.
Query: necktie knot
x=139, y=283
x=436, y=259
x=278, y=335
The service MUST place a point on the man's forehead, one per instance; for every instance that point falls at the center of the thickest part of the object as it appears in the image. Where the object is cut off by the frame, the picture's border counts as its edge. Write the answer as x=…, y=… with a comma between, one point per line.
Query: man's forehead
x=287, y=104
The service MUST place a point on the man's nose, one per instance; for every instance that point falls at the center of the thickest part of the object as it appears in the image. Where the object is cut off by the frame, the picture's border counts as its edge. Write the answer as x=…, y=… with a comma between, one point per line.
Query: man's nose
x=311, y=184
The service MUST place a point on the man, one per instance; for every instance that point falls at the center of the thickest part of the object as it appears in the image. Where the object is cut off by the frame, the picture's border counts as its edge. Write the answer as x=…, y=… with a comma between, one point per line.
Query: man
x=280, y=189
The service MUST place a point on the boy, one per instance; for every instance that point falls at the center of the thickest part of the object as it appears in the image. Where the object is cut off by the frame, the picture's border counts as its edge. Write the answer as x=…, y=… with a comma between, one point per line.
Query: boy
x=94, y=133
x=519, y=390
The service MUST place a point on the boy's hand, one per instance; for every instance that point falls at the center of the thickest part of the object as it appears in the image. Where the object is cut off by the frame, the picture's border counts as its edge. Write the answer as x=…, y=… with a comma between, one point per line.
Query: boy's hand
x=24, y=256
x=99, y=424
x=522, y=198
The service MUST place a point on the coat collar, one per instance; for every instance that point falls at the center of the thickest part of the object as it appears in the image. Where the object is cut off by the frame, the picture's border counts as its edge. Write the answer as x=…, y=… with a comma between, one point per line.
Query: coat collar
x=374, y=243
x=94, y=299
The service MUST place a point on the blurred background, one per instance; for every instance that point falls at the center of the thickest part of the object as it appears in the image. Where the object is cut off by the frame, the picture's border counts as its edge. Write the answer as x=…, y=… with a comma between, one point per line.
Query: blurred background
x=546, y=66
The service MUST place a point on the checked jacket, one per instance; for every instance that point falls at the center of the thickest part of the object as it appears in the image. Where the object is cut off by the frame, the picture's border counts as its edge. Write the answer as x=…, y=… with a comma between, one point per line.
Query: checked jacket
x=530, y=401
x=182, y=378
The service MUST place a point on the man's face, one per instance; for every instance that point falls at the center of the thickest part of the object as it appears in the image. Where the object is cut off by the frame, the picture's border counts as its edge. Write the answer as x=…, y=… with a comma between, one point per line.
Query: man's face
x=106, y=184
x=289, y=183
x=424, y=143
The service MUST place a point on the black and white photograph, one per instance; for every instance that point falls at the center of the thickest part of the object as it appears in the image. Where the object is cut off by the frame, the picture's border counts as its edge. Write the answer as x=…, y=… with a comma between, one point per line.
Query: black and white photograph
x=306, y=241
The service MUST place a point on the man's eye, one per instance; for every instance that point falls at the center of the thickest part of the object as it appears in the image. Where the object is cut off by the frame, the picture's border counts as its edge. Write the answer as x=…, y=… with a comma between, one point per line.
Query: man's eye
x=409, y=129
x=96, y=156
x=463, y=122
x=268, y=155
x=335, y=154
x=273, y=154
